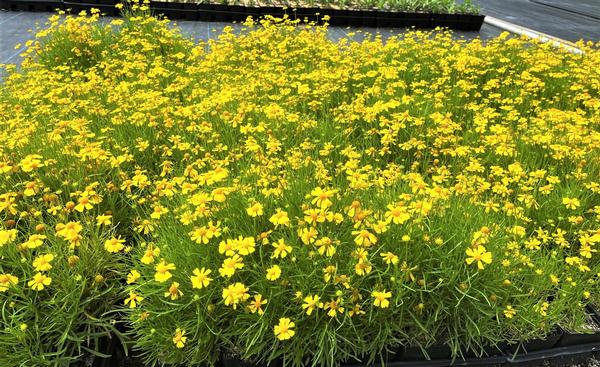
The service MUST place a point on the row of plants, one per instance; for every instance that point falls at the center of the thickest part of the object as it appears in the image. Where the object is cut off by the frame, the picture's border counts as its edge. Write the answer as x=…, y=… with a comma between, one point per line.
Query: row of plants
x=422, y=6
x=278, y=197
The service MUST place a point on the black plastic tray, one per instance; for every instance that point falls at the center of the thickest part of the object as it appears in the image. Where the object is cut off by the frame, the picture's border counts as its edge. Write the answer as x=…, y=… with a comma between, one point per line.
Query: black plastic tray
x=239, y=13
x=558, y=345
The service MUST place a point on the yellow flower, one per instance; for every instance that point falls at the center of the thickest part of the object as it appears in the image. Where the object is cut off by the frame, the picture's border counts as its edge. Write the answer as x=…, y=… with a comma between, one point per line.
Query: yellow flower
x=114, y=245
x=200, y=279
x=201, y=235
x=133, y=276
x=325, y=246
x=571, y=203
x=397, y=214
x=364, y=238
x=83, y=203
x=227, y=247
x=322, y=197
x=42, y=262
x=311, y=303
x=103, y=220
x=389, y=258
x=314, y=216
x=69, y=231
x=273, y=273
x=334, y=307
x=284, y=330
x=256, y=304
x=381, y=298
x=281, y=249
x=39, y=281
x=356, y=310
x=163, y=271
x=586, y=251
x=133, y=300
x=179, y=339
x=255, y=210
x=329, y=272
x=234, y=294
x=363, y=267
x=7, y=236
x=31, y=162
x=230, y=265
x=31, y=189
x=174, y=292
x=307, y=235
x=280, y=218
x=509, y=312
x=150, y=253
x=478, y=255
x=6, y=281
x=34, y=241
x=220, y=194
x=245, y=246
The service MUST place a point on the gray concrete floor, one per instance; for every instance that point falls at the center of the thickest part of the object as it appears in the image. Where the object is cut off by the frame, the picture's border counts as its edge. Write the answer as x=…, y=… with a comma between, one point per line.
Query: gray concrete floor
x=571, y=20
x=18, y=27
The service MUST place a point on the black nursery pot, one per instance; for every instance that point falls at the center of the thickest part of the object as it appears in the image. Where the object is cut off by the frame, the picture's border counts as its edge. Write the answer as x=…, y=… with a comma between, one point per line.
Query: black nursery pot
x=34, y=5
x=535, y=344
x=275, y=11
x=75, y=7
x=230, y=361
x=444, y=20
x=108, y=9
x=176, y=13
x=191, y=15
x=463, y=22
x=436, y=351
x=237, y=8
x=594, y=311
x=221, y=16
x=476, y=22
x=422, y=20
x=175, y=10
x=569, y=339
x=355, y=18
x=309, y=13
x=253, y=10
x=339, y=21
x=158, y=5
x=488, y=351
x=189, y=6
x=391, y=19
x=369, y=20
x=389, y=357
x=238, y=16
x=191, y=11
x=220, y=7
x=205, y=12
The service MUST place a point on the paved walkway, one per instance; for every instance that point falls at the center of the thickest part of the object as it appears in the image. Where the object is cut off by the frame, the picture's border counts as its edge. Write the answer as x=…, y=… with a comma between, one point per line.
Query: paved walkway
x=571, y=20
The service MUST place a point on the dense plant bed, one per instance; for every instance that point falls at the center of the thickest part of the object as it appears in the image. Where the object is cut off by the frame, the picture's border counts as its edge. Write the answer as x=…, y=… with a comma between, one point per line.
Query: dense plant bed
x=410, y=14
x=276, y=196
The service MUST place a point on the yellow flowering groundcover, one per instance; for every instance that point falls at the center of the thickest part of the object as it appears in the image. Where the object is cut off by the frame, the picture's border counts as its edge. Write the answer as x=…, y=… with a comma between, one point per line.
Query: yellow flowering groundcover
x=276, y=195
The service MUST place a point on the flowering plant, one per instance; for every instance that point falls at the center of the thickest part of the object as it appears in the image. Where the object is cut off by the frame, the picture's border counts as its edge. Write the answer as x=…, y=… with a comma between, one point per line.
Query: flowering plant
x=275, y=195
